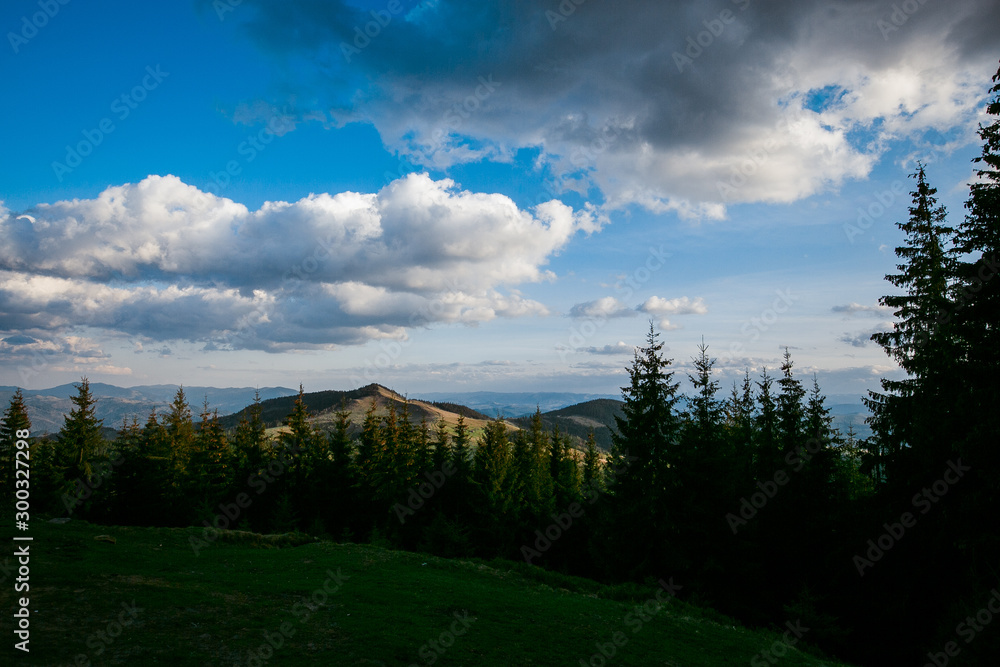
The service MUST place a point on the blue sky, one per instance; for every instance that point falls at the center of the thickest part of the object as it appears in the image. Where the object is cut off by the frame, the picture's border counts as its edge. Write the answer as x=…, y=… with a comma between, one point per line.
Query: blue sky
x=471, y=196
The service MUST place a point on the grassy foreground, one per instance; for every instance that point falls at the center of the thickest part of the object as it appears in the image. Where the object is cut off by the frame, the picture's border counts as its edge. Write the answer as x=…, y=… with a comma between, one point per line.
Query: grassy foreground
x=146, y=598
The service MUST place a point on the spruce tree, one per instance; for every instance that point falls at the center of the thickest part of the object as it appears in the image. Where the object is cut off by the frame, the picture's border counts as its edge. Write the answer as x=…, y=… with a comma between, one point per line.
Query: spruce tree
x=540, y=486
x=491, y=462
x=706, y=412
x=15, y=421
x=522, y=483
x=210, y=461
x=908, y=416
x=790, y=408
x=977, y=242
x=492, y=478
x=768, y=456
x=369, y=445
x=423, y=453
x=298, y=441
x=556, y=467
x=80, y=439
x=739, y=426
x=644, y=458
x=739, y=409
x=977, y=308
x=976, y=422
x=648, y=429
x=392, y=469
x=704, y=456
x=592, y=481
x=461, y=456
x=825, y=478
x=180, y=431
x=330, y=496
x=250, y=440
x=409, y=456
x=707, y=475
x=458, y=495
x=147, y=487
x=442, y=445
x=339, y=446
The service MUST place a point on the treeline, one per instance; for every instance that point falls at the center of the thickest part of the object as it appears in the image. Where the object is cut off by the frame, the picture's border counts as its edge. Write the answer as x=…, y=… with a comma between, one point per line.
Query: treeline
x=695, y=495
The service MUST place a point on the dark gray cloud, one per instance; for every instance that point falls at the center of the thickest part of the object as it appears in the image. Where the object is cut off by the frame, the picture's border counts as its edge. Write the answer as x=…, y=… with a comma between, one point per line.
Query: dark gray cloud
x=677, y=106
x=619, y=348
x=15, y=341
x=863, y=338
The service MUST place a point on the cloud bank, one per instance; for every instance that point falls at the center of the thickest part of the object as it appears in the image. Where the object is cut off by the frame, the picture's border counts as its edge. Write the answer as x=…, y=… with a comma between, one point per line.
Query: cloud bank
x=162, y=260
x=683, y=106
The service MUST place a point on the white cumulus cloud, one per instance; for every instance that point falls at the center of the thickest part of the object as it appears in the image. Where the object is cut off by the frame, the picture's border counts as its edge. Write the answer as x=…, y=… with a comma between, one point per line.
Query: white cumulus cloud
x=163, y=260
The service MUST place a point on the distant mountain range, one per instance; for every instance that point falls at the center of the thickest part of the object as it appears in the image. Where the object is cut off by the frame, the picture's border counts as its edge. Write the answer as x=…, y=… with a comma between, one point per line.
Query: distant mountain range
x=575, y=414
x=47, y=407
x=512, y=404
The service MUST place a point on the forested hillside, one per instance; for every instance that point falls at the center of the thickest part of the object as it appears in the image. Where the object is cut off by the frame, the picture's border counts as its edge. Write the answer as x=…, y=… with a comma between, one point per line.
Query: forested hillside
x=577, y=422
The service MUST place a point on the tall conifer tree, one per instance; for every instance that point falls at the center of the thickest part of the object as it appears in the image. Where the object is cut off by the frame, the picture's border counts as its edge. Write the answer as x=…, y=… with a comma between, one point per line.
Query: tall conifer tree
x=15, y=419
x=644, y=457
x=907, y=416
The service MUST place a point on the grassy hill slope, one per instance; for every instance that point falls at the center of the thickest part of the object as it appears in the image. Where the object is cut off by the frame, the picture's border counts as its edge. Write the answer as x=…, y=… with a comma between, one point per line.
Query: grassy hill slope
x=324, y=405
x=165, y=605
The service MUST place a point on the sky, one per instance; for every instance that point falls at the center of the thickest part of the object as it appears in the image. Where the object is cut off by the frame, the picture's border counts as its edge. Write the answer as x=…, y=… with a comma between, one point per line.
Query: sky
x=469, y=196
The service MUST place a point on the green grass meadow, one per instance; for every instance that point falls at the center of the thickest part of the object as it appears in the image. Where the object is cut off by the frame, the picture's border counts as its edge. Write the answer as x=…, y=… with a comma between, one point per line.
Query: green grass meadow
x=146, y=598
